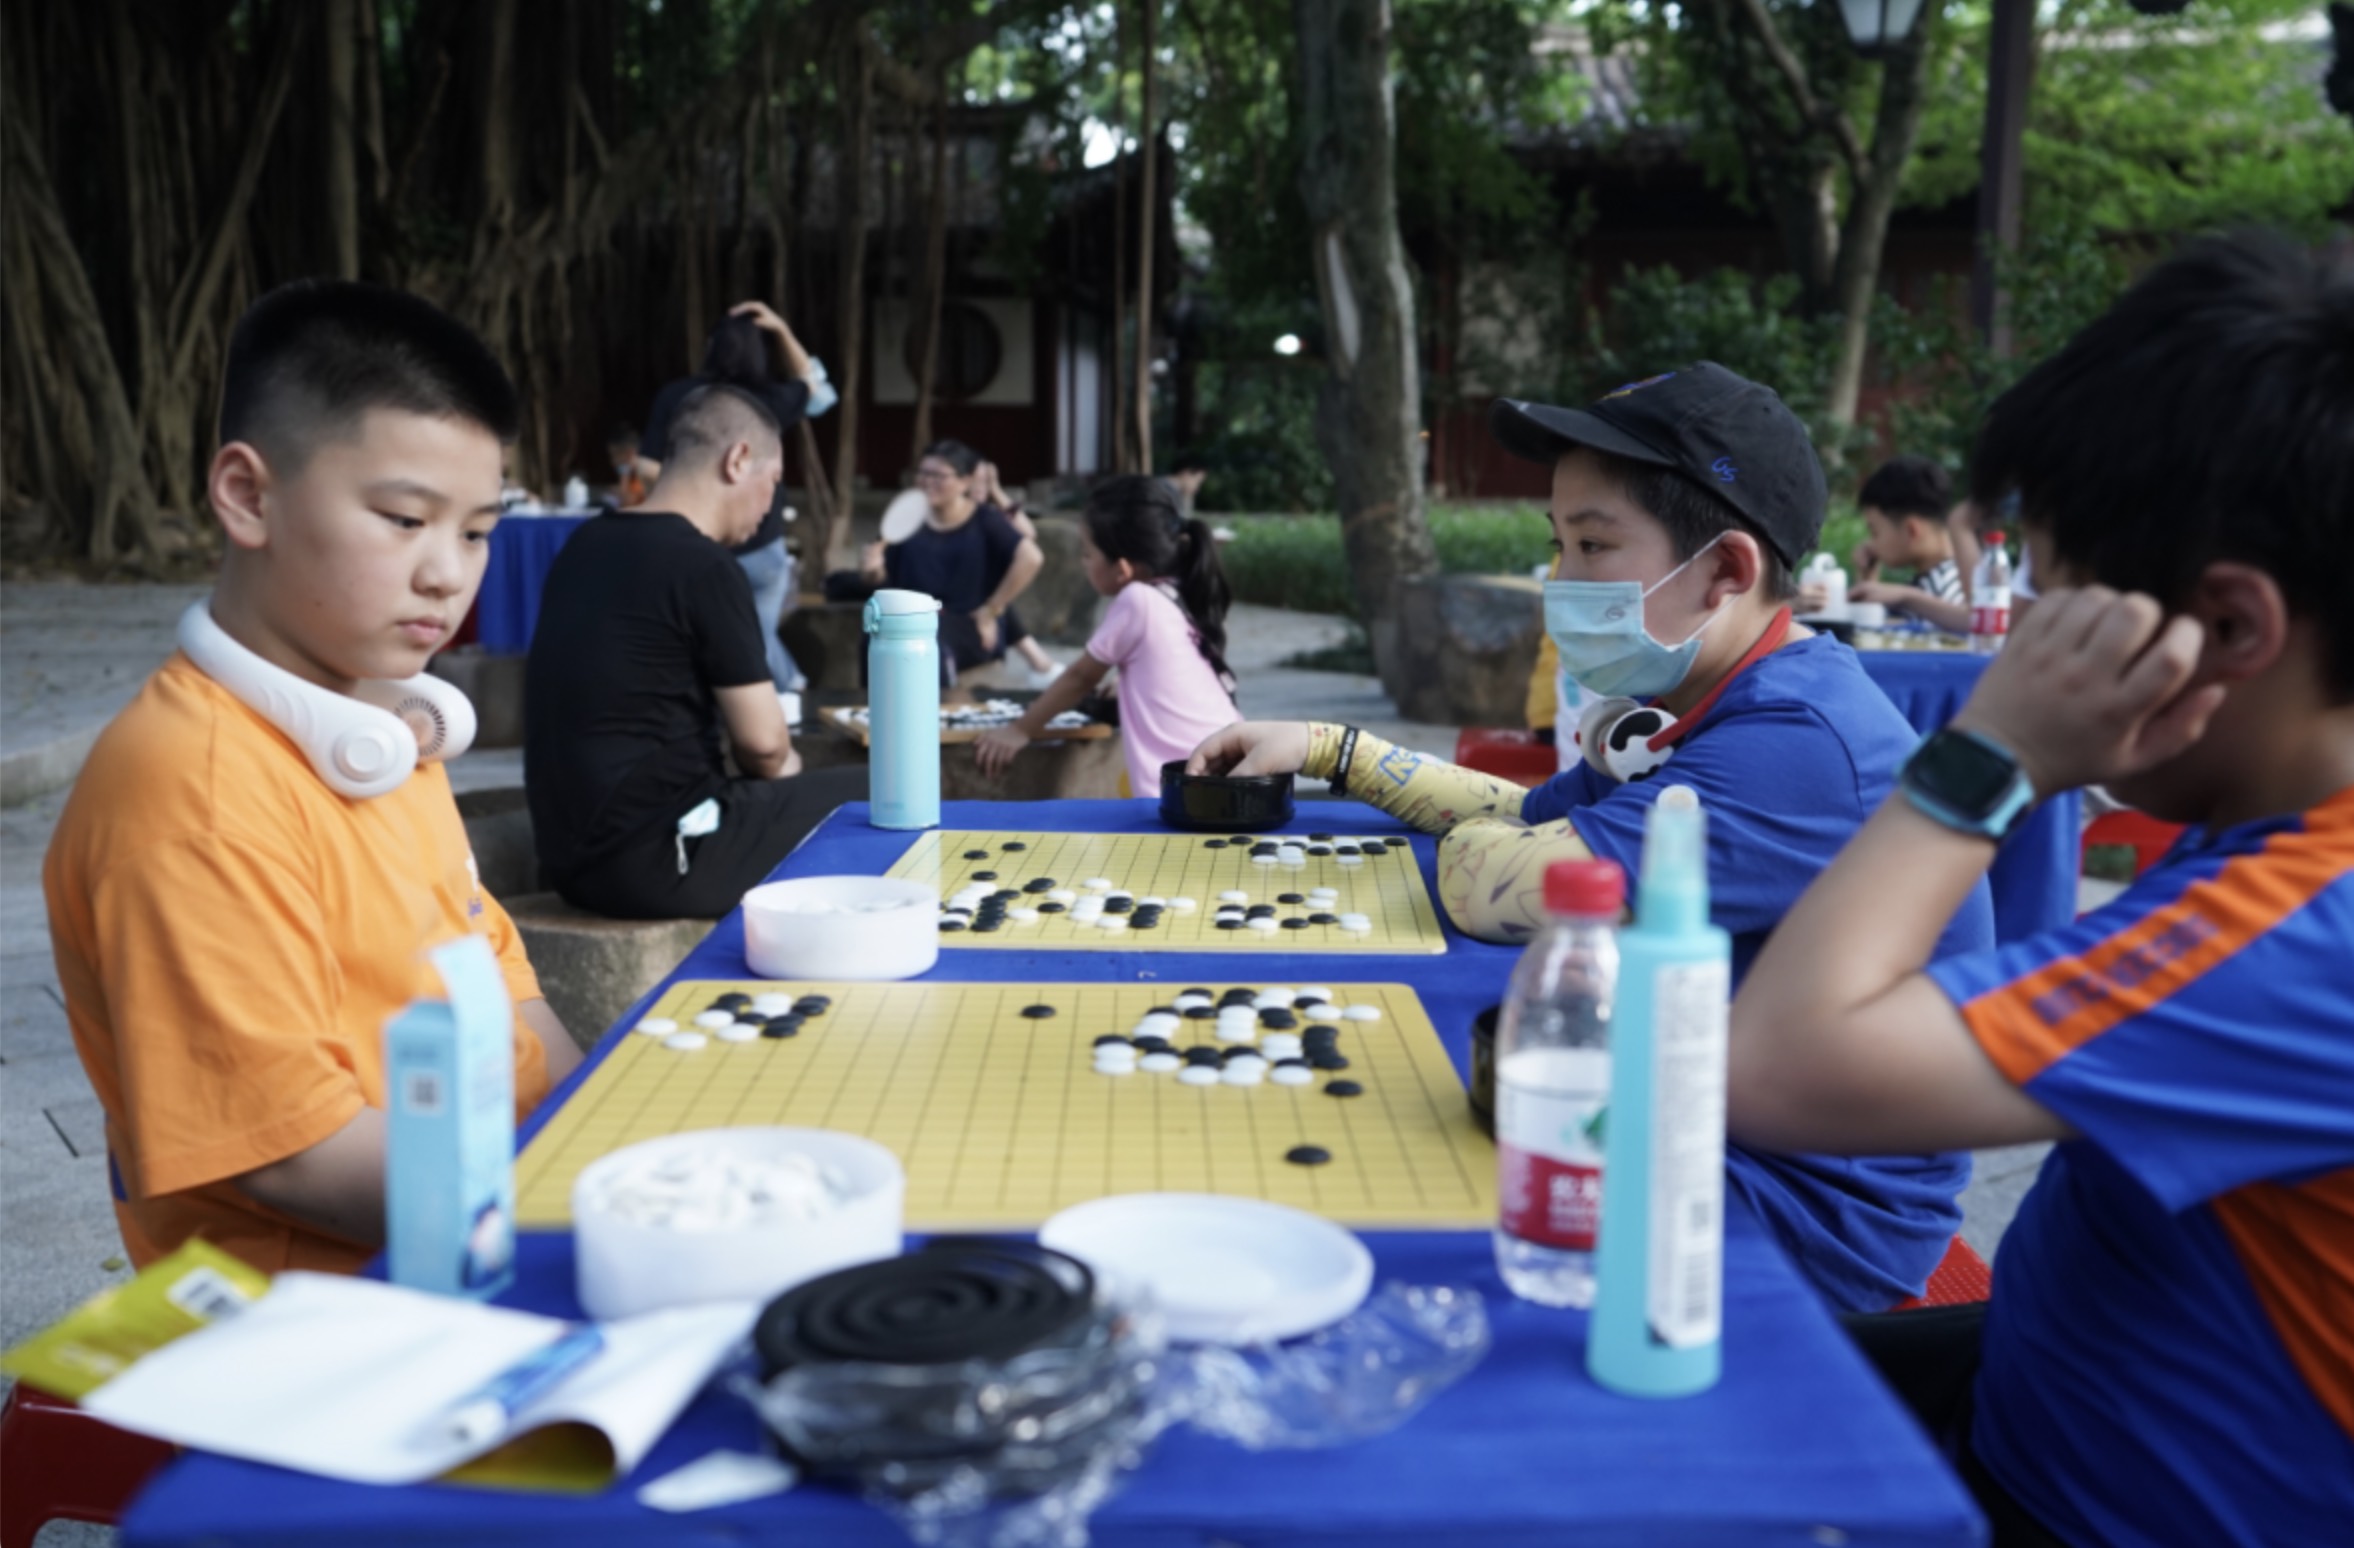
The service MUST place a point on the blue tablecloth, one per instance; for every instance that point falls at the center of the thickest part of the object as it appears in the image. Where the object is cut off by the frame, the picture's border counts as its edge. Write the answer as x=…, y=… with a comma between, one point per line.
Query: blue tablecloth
x=1797, y=1439
x=521, y=549
x=2034, y=878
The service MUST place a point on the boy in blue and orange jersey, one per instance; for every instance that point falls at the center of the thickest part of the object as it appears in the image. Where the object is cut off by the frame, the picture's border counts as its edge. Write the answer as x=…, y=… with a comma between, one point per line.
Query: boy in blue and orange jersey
x=2168, y=1356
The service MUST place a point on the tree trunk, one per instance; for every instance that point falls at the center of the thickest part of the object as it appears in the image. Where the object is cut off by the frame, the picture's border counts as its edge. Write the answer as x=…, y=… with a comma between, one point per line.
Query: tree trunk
x=1369, y=408
x=1863, y=236
x=1144, y=241
x=1119, y=362
x=340, y=21
x=935, y=281
x=851, y=158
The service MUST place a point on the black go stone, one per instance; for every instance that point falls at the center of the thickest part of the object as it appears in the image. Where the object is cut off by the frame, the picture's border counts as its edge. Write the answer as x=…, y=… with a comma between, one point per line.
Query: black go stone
x=951, y=926
x=984, y=876
x=1240, y=1051
x=1307, y=1155
x=1292, y=1064
x=1343, y=1088
x=1320, y=849
x=1201, y=1053
x=1013, y=846
x=1319, y=838
x=1260, y=911
x=1196, y=989
x=1290, y=897
x=1162, y=1010
x=1152, y=1043
x=1324, y=919
x=1265, y=849
x=1110, y=1038
x=1296, y=923
x=1118, y=905
x=1345, y=849
x=1376, y=848
x=1050, y=908
x=731, y=1001
x=1322, y=1032
x=976, y=854
x=1201, y=1013
x=1229, y=923
x=1003, y=895
x=1038, y=1012
x=1277, y=1019
x=812, y=1005
x=1145, y=922
x=1328, y=1061
x=987, y=926
x=782, y=1026
x=1213, y=844
x=1041, y=884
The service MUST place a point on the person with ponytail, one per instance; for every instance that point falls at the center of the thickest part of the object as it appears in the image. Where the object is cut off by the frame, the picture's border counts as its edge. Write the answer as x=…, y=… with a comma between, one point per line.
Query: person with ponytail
x=1165, y=631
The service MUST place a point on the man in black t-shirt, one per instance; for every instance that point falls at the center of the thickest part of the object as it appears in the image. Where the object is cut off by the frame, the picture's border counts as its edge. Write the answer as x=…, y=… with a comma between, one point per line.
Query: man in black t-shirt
x=646, y=671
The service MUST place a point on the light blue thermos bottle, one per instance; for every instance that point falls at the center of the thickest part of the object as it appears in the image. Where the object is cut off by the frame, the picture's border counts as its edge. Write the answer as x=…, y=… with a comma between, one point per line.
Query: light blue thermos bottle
x=1659, y=1276
x=903, y=709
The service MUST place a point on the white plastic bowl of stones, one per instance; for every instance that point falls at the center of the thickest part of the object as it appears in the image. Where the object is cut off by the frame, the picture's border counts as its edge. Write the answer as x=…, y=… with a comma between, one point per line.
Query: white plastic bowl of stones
x=1222, y=1270
x=730, y=1215
x=857, y=927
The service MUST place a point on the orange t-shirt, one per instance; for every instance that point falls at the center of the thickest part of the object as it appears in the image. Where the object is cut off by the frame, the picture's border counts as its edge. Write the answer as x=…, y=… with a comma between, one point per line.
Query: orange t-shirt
x=232, y=936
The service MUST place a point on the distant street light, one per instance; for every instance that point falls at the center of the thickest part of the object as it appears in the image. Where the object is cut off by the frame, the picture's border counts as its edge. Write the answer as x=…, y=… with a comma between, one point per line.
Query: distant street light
x=1877, y=25
x=1289, y=344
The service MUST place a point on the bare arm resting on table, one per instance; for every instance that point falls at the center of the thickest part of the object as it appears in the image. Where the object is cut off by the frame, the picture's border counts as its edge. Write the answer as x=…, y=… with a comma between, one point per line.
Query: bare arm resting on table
x=1491, y=864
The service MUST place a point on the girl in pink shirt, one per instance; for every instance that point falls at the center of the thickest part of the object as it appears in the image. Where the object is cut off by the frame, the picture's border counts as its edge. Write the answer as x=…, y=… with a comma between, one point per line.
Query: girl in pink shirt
x=1165, y=631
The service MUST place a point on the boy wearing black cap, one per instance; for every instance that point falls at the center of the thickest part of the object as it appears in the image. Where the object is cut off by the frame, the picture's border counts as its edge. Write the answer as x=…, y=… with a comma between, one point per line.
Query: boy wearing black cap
x=1682, y=505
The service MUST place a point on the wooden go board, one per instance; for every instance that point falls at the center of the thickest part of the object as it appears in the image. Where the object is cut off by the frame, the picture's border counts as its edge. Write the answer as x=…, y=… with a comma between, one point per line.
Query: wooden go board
x=1386, y=888
x=1001, y=1119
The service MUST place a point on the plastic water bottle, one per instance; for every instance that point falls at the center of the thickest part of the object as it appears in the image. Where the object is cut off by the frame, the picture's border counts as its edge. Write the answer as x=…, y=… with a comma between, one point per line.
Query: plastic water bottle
x=903, y=709
x=1990, y=598
x=1824, y=570
x=1658, y=1309
x=1553, y=1088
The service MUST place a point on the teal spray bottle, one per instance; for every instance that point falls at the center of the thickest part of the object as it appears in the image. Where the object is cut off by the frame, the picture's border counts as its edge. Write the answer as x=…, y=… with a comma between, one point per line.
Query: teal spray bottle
x=1660, y=1257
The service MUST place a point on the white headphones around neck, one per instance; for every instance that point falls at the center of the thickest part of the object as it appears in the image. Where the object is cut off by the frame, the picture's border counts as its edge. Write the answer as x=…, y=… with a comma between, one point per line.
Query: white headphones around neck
x=363, y=744
x=1614, y=737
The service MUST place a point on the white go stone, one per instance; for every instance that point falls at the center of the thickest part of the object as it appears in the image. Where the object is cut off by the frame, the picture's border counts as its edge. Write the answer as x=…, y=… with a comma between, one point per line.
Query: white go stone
x=657, y=1026
x=1291, y=1075
x=1316, y=994
x=1243, y=1072
x=1263, y=926
x=1159, y=1063
x=1186, y=1002
x=715, y=1019
x=1199, y=1075
x=1275, y=999
x=1183, y=905
x=738, y=1032
x=1097, y=884
x=1350, y=858
x=1114, y=924
x=1265, y=860
x=1151, y=902
x=1158, y=1024
x=1320, y=1010
x=1234, y=897
x=1363, y=1013
x=1280, y=1045
x=685, y=1042
x=1356, y=921
x=1063, y=895
x=772, y=1004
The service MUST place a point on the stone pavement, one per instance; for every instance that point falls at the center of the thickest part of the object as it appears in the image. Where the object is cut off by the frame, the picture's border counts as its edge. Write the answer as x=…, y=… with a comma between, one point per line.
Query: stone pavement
x=71, y=655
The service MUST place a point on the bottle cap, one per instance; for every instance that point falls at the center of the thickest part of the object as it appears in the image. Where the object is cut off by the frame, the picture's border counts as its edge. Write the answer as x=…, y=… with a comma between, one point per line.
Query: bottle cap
x=1584, y=887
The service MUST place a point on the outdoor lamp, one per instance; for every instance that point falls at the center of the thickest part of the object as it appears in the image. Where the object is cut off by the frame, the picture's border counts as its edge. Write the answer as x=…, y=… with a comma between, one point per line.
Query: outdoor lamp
x=1875, y=25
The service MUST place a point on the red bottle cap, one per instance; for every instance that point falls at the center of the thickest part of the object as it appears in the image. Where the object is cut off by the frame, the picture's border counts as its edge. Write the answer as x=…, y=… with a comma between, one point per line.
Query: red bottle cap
x=1591, y=887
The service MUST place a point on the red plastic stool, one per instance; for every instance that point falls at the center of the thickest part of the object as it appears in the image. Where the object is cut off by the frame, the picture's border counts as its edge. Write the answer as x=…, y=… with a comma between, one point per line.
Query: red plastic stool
x=2146, y=836
x=1514, y=755
x=59, y=1464
x=1960, y=1277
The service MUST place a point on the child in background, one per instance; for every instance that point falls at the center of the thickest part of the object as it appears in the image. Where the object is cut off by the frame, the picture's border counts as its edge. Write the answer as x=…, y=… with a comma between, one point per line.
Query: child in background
x=621, y=449
x=1165, y=631
x=1904, y=506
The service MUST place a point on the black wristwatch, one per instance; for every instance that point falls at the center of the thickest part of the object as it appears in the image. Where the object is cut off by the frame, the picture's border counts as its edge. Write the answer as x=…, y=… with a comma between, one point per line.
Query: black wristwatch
x=1970, y=783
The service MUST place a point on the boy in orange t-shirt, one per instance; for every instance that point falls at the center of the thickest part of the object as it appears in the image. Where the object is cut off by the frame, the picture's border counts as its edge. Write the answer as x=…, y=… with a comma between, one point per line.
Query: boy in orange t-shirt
x=231, y=933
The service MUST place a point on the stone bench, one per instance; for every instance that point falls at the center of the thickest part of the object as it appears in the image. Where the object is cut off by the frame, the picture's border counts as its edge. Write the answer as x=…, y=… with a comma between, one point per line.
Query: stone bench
x=1466, y=645
x=592, y=968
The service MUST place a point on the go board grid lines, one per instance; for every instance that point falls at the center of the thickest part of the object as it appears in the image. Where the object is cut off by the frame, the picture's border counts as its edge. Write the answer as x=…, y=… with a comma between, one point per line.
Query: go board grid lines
x=1001, y=1122
x=1388, y=888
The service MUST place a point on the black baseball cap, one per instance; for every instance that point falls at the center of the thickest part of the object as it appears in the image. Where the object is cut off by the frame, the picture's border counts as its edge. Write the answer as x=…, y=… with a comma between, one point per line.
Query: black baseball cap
x=1734, y=438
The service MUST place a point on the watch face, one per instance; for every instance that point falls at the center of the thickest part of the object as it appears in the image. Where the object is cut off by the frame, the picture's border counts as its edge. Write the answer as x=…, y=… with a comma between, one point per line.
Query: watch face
x=1963, y=773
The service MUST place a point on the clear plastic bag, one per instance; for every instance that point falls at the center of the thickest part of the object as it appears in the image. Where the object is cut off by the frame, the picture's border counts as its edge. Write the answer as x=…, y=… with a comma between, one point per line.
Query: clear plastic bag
x=1020, y=1453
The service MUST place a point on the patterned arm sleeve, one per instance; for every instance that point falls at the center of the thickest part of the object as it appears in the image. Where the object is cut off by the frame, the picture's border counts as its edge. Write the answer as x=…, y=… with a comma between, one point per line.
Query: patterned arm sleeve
x=1425, y=793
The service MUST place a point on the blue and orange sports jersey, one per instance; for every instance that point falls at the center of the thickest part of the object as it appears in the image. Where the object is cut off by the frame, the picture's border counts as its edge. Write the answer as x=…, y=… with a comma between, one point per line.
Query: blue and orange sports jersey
x=2170, y=1347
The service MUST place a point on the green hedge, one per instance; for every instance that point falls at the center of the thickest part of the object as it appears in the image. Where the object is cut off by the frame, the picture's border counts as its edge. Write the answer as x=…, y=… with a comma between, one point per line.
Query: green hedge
x=1296, y=561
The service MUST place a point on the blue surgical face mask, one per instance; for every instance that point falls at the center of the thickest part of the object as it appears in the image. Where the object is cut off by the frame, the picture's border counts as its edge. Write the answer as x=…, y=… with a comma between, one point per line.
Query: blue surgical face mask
x=1605, y=648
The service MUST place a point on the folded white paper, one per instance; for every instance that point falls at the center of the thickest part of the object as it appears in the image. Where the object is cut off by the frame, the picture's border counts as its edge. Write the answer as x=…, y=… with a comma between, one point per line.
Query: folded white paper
x=352, y=1379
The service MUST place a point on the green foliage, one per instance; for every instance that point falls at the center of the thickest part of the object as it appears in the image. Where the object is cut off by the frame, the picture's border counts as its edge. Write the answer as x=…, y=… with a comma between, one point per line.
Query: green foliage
x=1258, y=439
x=1297, y=561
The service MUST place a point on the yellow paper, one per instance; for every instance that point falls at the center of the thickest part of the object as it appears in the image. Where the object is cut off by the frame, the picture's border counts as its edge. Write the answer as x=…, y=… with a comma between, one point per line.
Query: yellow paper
x=98, y=1340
